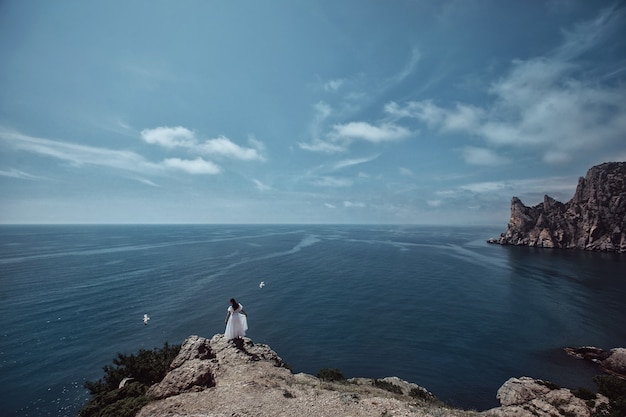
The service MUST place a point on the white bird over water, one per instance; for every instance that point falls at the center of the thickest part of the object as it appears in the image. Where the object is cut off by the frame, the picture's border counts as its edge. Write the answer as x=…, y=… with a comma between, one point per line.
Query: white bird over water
x=145, y=319
x=262, y=284
x=124, y=381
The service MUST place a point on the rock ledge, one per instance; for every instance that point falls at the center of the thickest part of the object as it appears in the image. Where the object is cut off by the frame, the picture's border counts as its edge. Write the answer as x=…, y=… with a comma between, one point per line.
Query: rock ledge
x=221, y=378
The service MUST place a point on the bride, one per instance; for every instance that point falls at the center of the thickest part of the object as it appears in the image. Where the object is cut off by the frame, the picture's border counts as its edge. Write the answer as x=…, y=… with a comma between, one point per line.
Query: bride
x=236, y=321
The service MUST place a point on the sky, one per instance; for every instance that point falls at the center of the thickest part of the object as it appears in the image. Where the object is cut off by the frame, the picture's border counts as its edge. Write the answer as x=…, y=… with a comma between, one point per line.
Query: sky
x=304, y=112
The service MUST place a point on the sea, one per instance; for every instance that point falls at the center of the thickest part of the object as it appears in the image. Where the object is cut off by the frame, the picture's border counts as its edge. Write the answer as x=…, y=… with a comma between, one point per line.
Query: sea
x=433, y=305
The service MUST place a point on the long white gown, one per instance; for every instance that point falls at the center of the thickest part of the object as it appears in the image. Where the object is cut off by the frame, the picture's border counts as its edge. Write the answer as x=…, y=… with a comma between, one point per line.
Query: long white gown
x=237, y=323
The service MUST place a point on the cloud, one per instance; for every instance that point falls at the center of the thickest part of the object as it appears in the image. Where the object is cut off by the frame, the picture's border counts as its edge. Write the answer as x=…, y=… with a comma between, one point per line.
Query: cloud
x=147, y=182
x=330, y=206
x=16, y=173
x=546, y=185
x=318, y=142
x=555, y=105
x=333, y=85
x=408, y=68
x=181, y=137
x=352, y=162
x=322, y=146
x=169, y=137
x=586, y=35
x=260, y=186
x=350, y=204
x=482, y=156
x=331, y=182
x=406, y=172
x=195, y=166
x=433, y=203
x=223, y=146
x=364, y=131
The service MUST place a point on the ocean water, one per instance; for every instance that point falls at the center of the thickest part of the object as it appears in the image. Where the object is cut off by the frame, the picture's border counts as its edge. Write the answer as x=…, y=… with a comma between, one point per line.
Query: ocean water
x=436, y=306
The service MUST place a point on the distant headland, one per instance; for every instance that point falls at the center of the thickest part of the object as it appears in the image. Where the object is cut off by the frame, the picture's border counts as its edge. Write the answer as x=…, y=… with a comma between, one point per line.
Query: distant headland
x=594, y=219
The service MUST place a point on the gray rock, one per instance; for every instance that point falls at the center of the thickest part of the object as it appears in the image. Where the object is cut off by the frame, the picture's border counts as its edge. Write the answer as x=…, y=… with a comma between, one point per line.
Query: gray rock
x=192, y=376
x=528, y=397
x=594, y=219
x=612, y=361
x=616, y=362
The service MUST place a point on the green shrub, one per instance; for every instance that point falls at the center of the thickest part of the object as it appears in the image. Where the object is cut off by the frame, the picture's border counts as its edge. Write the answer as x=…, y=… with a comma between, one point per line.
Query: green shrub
x=614, y=388
x=388, y=386
x=584, y=393
x=147, y=367
x=330, y=374
x=420, y=394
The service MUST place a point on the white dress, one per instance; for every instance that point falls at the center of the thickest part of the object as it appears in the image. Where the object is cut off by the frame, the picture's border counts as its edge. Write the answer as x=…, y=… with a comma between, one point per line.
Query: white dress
x=237, y=323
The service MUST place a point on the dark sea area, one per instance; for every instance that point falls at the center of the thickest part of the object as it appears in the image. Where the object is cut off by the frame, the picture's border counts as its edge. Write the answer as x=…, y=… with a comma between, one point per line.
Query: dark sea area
x=434, y=305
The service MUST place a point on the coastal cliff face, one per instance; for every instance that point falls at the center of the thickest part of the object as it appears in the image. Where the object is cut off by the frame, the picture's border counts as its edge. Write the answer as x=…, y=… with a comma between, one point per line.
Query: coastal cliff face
x=594, y=219
x=218, y=377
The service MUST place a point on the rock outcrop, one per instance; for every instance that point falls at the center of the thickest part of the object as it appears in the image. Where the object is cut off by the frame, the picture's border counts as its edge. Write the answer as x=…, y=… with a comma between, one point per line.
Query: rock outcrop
x=612, y=361
x=219, y=378
x=527, y=397
x=594, y=219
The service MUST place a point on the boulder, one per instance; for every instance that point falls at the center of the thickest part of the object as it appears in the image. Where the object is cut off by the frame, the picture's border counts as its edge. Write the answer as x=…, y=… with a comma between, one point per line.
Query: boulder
x=615, y=363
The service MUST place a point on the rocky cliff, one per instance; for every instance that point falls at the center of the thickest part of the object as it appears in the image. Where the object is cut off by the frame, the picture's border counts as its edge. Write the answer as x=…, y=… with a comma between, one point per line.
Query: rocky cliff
x=594, y=219
x=219, y=378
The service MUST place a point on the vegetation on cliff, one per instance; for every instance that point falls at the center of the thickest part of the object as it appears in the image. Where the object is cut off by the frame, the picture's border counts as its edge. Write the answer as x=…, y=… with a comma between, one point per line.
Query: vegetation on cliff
x=116, y=396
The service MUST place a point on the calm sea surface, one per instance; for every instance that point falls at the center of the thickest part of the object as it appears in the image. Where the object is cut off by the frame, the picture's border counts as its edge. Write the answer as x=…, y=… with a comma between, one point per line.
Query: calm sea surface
x=436, y=306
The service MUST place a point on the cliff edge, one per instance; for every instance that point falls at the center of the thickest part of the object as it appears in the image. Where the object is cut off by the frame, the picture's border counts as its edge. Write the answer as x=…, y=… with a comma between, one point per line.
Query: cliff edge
x=238, y=378
x=594, y=219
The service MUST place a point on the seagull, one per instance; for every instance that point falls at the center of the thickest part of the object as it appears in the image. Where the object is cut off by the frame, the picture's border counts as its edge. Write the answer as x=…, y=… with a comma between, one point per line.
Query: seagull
x=262, y=284
x=123, y=382
x=145, y=319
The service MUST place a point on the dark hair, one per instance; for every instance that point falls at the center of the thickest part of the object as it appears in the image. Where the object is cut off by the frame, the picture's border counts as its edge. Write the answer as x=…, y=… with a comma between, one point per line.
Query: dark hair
x=234, y=303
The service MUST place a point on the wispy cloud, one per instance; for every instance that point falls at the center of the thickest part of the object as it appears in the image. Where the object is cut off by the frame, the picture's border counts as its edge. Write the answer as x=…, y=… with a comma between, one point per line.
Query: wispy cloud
x=351, y=204
x=549, y=185
x=16, y=173
x=551, y=104
x=333, y=85
x=261, y=186
x=352, y=162
x=408, y=68
x=338, y=137
x=483, y=156
x=332, y=182
x=79, y=155
x=147, y=182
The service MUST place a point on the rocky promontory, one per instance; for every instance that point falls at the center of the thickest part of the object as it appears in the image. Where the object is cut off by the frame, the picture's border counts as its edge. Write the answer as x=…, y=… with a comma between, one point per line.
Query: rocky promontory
x=594, y=219
x=236, y=378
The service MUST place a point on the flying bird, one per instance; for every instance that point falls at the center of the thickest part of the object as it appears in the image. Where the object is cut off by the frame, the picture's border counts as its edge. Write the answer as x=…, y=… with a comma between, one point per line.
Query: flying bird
x=124, y=381
x=145, y=319
x=262, y=284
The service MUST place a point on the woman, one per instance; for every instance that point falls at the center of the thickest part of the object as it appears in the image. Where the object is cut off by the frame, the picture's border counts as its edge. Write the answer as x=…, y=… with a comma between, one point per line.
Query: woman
x=236, y=321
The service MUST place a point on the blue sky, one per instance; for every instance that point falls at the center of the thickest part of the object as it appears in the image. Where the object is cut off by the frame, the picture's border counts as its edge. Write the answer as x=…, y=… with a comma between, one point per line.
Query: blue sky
x=403, y=112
